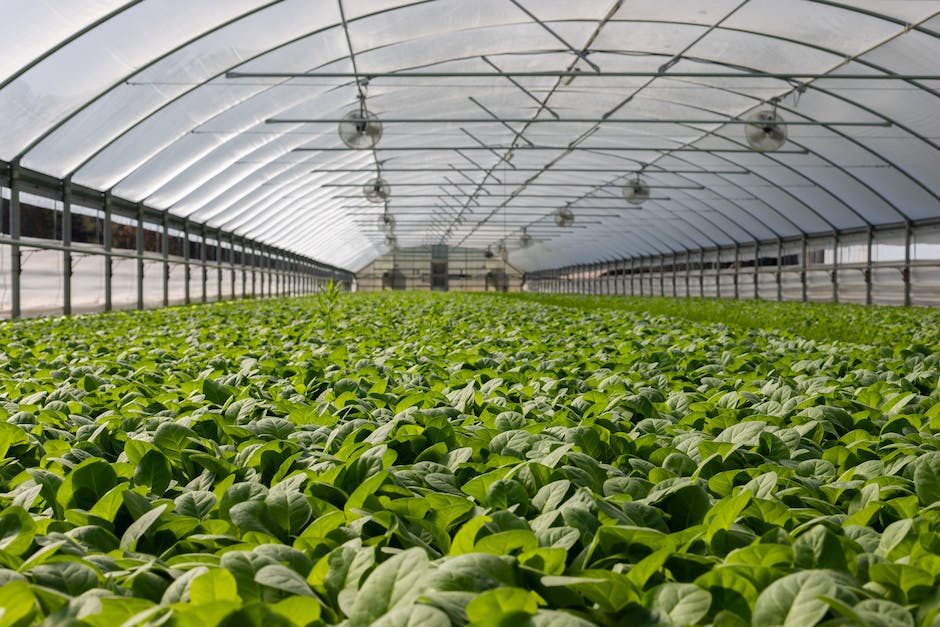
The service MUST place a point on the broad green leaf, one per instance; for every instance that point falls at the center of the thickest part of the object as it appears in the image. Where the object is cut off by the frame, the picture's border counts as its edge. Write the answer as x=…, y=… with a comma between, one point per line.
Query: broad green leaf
x=927, y=479
x=16, y=530
x=414, y=616
x=794, y=600
x=283, y=578
x=140, y=527
x=395, y=582
x=679, y=603
x=217, y=584
x=503, y=606
x=17, y=604
x=215, y=392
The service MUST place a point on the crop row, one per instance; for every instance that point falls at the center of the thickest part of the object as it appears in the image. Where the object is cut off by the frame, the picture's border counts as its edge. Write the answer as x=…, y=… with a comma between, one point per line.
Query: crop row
x=455, y=459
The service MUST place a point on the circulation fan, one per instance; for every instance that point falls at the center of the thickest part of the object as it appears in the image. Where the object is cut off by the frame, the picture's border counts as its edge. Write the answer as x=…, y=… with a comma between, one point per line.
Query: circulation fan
x=525, y=240
x=766, y=130
x=489, y=254
x=377, y=190
x=564, y=217
x=360, y=129
x=636, y=191
x=386, y=222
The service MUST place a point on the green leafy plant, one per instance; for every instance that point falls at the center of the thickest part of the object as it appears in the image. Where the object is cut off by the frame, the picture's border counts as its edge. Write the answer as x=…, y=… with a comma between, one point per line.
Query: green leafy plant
x=327, y=301
x=453, y=459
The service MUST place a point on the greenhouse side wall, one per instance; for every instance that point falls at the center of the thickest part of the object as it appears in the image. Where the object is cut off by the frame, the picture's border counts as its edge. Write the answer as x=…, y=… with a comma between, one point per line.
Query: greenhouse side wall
x=898, y=266
x=64, y=255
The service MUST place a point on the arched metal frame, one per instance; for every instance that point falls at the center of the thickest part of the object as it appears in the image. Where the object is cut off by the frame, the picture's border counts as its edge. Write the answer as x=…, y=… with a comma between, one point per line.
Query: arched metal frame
x=269, y=193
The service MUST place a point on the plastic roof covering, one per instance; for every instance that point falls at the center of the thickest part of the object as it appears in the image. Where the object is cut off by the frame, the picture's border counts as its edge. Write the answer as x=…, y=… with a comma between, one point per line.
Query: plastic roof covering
x=134, y=97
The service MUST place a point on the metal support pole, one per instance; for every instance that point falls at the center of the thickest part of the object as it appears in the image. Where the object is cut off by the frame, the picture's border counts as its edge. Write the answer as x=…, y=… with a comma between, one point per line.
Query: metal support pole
x=662, y=275
x=231, y=262
x=675, y=274
x=642, y=288
x=253, y=257
x=756, y=270
x=140, y=255
x=108, y=261
x=701, y=272
x=906, y=273
x=633, y=265
x=266, y=275
x=260, y=263
x=244, y=258
x=737, y=265
x=187, y=269
x=620, y=286
x=718, y=272
x=16, y=257
x=803, y=277
x=835, y=267
x=688, y=273
x=67, y=244
x=166, y=259
x=218, y=263
x=868, y=291
x=205, y=270
x=779, y=269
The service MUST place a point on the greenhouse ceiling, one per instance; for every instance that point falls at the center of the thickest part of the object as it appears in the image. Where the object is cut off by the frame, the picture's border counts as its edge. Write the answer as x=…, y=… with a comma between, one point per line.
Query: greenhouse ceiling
x=587, y=130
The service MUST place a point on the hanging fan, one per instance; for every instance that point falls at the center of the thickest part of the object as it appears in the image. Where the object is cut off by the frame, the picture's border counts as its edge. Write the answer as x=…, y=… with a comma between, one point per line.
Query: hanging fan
x=564, y=217
x=502, y=251
x=377, y=190
x=489, y=254
x=525, y=240
x=391, y=241
x=636, y=191
x=360, y=129
x=766, y=130
x=386, y=222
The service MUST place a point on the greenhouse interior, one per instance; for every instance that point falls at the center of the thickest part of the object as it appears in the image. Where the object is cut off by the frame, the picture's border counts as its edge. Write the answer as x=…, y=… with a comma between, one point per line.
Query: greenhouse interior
x=479, y=313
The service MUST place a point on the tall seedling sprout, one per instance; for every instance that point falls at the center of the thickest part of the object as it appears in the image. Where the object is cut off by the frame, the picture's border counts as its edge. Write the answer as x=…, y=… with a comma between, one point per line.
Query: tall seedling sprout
x=327, y=299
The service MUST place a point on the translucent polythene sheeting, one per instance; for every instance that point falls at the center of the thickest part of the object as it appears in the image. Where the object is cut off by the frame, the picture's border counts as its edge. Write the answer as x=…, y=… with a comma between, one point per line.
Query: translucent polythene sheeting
x=133, y=97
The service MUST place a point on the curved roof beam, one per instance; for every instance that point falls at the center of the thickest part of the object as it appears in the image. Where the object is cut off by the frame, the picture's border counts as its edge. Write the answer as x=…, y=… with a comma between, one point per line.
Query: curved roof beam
x=830, y=51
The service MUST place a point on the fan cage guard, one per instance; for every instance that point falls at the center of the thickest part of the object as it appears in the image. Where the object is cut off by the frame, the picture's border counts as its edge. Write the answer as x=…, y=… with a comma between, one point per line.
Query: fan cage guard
x=767, y=131
x=636, y=192
x=360, y=129
x=564, y=217
x=377, y=190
